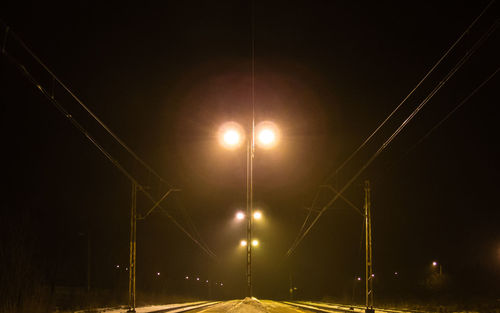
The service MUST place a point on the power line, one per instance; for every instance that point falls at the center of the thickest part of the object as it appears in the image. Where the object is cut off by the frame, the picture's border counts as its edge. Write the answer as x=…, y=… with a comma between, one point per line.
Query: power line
x=352, y=155
x=457, y=66
x=408, y=96
x=80, y=102
x=80, y=128
x=458, y=106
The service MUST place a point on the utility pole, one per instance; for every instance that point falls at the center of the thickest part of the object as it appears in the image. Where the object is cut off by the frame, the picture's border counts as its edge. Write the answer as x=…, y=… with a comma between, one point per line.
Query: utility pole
x=368, y=256
x=249, y=215
x=133, y=237
x=88, y=262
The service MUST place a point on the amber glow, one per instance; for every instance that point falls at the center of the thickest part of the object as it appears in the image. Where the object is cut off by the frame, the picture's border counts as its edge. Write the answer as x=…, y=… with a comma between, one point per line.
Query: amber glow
x=231, y=135
x=267, y=134
x=240, y=215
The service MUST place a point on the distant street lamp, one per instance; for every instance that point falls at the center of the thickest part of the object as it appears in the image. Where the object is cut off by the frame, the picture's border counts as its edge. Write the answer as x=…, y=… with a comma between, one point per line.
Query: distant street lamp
x=435, y=265
x=255, y=242
x=357, y=279
x=231, y=136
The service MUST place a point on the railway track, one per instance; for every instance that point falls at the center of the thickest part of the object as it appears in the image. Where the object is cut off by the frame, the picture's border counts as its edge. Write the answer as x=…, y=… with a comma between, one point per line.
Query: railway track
x=322, y=307
x=185, y=308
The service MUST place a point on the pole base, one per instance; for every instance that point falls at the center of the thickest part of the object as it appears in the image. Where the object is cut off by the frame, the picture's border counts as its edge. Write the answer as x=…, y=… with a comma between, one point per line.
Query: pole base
x=368, y=310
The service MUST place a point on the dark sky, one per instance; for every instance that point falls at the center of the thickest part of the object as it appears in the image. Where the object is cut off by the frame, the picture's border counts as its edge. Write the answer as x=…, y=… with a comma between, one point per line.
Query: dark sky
x=164, y=76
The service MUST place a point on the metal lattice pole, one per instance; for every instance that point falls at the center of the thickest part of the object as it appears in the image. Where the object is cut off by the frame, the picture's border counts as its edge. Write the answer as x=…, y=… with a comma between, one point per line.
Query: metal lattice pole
x=133, y=237
x=368, y=256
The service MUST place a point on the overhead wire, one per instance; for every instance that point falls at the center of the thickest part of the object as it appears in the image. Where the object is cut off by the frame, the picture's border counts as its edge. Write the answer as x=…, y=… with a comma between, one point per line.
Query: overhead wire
x=458, y=106
x=87, y=135
x=429, y=72
x=351, y=156
x=457, y=66
x=80, y=102
x=192, y=225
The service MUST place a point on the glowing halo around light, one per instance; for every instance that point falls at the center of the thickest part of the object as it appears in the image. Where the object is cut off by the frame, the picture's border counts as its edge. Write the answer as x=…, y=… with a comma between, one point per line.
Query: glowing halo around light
x=240, y=215
x=267, y=134
x=231, y=135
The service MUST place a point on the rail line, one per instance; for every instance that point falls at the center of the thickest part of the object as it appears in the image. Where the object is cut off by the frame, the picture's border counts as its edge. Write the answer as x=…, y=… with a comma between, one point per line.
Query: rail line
x=185, y=308
x=322, y=307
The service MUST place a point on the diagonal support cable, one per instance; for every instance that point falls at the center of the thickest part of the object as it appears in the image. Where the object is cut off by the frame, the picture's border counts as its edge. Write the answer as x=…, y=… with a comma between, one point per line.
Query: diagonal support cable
x=87, y=135
x=450, y=74
x=80, y=102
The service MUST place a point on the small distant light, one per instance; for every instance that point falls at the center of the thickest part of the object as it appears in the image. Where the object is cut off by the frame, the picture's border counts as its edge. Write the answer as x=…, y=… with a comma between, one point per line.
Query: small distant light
x=395, y=273
x=221, y=284
x=434, y=263
x=206, y=281
x=359, y=278
x=257, y=215
x=126, y=268
x=243, y=243
x=373, y=275
x=197, y=278
x=158, y=274
x=240, y=215
x=187, y=277
x=117, y=266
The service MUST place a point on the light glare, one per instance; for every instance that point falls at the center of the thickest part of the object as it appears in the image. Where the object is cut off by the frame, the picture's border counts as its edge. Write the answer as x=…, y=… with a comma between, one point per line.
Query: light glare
x=240, y=215
x=257, y=215
x=231, y=135
x=267, y=134
x=243, y=243
x=255, y=242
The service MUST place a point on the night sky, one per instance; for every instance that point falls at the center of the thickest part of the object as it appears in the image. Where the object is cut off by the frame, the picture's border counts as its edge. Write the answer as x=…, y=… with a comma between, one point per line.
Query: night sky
x=164, y=75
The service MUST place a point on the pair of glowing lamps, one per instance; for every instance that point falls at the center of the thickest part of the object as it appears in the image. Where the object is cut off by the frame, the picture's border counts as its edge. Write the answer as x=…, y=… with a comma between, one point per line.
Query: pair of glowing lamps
x=256, y=215
x=255, y=242
x=231, y=135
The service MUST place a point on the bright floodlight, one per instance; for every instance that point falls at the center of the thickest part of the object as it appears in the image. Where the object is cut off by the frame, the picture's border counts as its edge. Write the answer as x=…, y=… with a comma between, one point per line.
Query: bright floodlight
x=231, y=135
x=257, y=215
x=255, y=242
x=240, y=215
x=267, y=134
x=243, y=243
